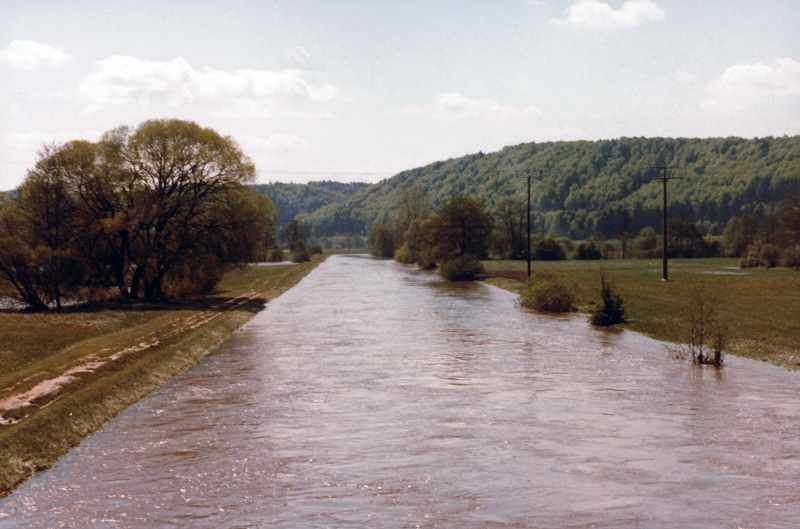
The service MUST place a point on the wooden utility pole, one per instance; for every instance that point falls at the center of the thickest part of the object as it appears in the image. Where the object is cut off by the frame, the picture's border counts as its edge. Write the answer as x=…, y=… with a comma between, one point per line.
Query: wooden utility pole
x=528, y=176
x=663, y=177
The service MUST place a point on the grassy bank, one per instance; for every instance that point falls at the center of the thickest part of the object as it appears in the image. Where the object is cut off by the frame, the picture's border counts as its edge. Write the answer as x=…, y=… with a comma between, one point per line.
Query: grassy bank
x=115, y=354
x=762, y=307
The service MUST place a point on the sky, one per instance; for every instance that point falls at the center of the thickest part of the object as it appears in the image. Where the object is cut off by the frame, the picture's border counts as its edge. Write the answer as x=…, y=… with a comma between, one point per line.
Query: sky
x=359, y=90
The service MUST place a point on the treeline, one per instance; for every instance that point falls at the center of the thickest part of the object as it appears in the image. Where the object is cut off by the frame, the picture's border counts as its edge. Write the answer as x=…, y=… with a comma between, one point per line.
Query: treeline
x=458, y=234
x=297, y=201
x=453, y=239
x=162, y=210
x=583, y=188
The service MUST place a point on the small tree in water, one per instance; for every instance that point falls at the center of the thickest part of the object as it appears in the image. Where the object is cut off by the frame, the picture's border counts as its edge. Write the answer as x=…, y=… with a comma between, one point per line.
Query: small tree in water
x=611, y=309
x=706, y=334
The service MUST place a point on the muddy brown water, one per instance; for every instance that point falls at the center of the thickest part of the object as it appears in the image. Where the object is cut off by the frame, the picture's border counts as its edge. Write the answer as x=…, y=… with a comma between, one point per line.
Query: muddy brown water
x=373, y=395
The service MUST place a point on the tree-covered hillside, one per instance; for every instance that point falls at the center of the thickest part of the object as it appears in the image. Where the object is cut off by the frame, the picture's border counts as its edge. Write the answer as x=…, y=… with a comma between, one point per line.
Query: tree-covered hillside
x=584, y=186
x=299, y=200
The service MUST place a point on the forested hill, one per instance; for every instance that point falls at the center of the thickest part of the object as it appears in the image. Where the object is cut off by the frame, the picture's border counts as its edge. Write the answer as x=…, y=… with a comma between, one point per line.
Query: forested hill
x=300, y=200
x=584, y=185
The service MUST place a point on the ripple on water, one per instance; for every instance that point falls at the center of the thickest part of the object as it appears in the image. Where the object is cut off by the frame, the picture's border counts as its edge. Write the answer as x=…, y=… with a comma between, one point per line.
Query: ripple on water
x=375, y=395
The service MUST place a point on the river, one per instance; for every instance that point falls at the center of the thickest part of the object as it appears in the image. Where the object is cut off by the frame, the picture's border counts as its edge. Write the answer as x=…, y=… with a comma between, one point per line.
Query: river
x=373, y=395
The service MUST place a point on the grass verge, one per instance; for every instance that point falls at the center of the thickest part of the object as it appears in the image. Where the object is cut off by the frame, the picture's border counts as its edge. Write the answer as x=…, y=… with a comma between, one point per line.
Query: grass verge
x=135, y=350
x=761, y=306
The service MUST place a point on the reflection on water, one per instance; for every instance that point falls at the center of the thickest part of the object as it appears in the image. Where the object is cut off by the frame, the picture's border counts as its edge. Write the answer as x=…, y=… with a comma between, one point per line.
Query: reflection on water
x=374, y=395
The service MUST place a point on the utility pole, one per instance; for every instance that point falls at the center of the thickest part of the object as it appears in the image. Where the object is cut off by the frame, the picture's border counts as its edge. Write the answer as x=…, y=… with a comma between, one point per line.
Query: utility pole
x=663, y=177
x=528, y=176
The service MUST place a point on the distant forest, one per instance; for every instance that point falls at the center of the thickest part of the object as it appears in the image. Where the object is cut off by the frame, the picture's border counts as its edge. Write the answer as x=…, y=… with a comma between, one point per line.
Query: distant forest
x=300, y=200
x=579, y=188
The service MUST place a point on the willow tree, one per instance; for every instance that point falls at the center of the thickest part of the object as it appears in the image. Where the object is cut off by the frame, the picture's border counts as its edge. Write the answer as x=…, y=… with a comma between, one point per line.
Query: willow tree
x=40, y=257
x=156, y=210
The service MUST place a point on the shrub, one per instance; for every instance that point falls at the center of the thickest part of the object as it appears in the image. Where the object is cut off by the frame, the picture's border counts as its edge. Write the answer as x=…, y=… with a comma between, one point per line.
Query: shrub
x=586, y=251
x=548, y=250
x=647, y=243
x=381, y=241
x=315, y=248
x=790, y=257
x=545, y=292
x=463, y=268
x=300, y=254
x=404, y=255
x=706, y=335
x=275, y=255
x=770, y=255
x=611, y=310
x=751, y=258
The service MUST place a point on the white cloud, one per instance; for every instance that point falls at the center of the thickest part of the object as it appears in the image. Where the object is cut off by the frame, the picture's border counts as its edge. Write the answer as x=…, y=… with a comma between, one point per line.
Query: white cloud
x=124, y=80
x=781, y=78
x=594, y=14
x=30, y=55
x=453, y=105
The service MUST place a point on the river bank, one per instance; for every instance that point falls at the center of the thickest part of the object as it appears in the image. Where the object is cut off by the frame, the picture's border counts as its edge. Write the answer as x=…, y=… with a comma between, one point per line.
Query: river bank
x=761, y=307
x=66, y=374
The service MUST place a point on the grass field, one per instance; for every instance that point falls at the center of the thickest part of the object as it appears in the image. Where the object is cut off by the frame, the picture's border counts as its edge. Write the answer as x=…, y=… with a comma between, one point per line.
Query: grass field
x=65, y=374
x=761, y=306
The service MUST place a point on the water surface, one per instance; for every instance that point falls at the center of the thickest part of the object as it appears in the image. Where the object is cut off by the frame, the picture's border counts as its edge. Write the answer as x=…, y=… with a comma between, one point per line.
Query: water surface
x=373, y=395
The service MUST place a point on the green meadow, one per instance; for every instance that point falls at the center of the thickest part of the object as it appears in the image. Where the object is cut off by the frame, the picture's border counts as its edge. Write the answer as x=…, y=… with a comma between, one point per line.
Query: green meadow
x=760, y=306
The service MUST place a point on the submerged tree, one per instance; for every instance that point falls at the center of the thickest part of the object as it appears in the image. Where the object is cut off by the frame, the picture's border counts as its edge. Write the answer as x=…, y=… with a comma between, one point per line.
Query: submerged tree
x=706, y=334
x=611, y=309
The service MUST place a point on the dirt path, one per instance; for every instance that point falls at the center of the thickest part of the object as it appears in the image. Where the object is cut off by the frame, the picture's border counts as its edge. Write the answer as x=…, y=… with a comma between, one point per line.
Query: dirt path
x=32, y=393
x=50, y=410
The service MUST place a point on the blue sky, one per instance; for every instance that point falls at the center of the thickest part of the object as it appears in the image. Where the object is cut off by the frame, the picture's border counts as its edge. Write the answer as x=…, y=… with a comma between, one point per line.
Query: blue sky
x=360, y=90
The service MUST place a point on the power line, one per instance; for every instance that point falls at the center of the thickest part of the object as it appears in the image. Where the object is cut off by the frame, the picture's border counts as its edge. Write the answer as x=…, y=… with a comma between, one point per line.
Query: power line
x=663, y=177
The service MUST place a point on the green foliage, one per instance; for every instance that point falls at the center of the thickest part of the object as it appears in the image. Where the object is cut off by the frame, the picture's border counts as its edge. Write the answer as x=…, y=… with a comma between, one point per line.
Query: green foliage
x=586, y=251
x=299, y=201
x=647, y=243
x=790, y=257
x=706, y=334
x=760, y=254
x=294, y=235
x=770, y=255
x=611, y=309
x=275, y=255
x=546, y=292
x=462, y=268
x=404, y=255
x=548, y=249
x=685, y=241
x=739, y=233
x=381, y=241
x=300, y=254
x=586, y=186
x=160, y=209
x=461, y=227
x=511, y=225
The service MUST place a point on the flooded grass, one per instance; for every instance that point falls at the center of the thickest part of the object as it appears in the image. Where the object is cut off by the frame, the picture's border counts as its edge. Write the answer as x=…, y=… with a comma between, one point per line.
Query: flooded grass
x=120, y=354
x=762, y=307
